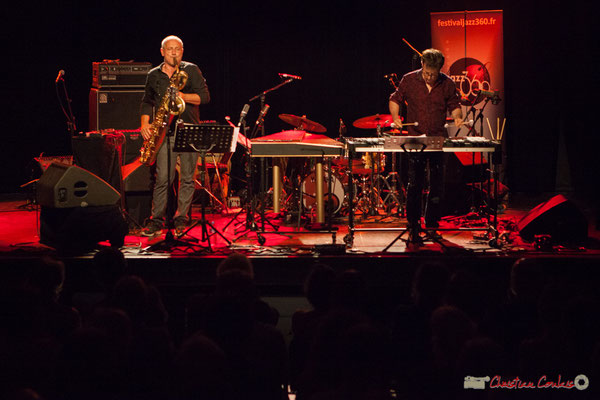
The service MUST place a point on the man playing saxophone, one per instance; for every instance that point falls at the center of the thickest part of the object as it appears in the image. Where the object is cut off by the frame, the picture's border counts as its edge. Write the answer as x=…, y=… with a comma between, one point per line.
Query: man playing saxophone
x=194, y=93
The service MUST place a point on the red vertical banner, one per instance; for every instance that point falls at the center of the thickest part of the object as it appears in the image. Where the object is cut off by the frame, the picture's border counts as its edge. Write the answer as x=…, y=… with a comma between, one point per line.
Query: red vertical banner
x=472, y=42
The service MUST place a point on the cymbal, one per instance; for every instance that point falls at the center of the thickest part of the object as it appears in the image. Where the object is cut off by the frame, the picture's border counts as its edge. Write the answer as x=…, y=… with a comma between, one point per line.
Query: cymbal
x=302, y=123
x=372, y=121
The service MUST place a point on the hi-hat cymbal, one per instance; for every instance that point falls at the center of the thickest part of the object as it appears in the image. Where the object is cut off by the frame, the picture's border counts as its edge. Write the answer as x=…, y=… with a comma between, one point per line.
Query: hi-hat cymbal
x=373, y=121
x=302, y=123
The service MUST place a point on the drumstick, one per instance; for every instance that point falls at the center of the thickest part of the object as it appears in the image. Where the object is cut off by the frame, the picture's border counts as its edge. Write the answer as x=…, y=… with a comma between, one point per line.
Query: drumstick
x=490, y=126
x=502, y=131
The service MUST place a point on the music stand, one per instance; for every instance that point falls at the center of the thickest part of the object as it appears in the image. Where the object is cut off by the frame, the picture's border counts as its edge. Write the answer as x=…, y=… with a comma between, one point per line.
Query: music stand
x=204, y=139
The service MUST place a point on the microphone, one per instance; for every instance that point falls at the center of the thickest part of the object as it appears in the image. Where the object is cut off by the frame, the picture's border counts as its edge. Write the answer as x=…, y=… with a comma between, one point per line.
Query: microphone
x=243, y=114
x=288, y=76
x=61, y=73
x=492, y=95
x=262, y=114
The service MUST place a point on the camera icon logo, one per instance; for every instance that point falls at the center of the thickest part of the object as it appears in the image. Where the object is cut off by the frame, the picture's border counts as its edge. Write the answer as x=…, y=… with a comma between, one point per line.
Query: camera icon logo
x=474, y=382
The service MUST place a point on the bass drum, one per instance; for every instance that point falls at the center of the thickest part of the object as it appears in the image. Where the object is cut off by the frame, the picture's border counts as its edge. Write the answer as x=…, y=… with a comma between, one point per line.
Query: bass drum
x=309, y=191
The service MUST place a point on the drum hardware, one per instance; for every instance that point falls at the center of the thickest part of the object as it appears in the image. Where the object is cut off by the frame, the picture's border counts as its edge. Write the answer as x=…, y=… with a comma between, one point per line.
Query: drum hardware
x=395, y=187
x=377, y=121
x=394, y=194
x=365, y=197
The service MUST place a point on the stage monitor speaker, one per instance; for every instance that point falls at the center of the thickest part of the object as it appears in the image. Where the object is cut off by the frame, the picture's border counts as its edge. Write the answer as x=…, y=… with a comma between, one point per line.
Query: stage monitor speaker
x=114, y=109
x=79, y=230
x=68, y=186
x=557, y=217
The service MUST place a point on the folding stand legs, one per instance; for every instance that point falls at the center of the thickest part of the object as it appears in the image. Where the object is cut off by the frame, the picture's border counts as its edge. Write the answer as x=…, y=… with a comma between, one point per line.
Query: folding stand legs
x=202, y=221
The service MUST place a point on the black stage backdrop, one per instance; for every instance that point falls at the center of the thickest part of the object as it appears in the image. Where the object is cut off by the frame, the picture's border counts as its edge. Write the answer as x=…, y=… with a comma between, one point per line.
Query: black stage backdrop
x=341, y=49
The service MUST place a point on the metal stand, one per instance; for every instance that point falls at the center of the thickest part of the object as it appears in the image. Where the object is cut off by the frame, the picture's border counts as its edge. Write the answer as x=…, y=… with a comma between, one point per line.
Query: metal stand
x=491, y=227
x=204, y=139
x=202, y=221
x=251, y=224
x=170, y=241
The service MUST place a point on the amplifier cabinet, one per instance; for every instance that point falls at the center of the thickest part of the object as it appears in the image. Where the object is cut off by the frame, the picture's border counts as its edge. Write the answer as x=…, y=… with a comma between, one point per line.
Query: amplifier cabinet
x=117, y=74
x=114, y=109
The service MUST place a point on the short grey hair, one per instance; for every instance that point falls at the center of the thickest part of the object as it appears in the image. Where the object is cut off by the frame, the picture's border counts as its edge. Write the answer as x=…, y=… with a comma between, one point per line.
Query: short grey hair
x=170, y=37
x=433, y=58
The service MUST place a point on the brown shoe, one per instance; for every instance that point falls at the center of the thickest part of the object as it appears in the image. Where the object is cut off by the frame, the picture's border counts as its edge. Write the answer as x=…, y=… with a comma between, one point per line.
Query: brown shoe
x=153, y=227
x=181, y=225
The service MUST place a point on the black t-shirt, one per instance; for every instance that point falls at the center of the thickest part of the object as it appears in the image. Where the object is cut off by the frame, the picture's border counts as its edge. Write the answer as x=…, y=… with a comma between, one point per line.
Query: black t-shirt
x=157, y=83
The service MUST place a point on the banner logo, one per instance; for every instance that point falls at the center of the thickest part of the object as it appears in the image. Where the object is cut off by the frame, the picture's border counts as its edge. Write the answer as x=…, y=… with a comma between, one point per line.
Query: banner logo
x=470, y=76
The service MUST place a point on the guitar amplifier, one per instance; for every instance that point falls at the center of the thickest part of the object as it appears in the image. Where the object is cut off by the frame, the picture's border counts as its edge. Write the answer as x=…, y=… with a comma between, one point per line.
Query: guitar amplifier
x=114, y=109
x=119, y=74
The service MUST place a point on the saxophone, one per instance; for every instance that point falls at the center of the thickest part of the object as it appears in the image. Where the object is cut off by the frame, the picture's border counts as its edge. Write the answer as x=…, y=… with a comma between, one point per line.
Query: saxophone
x=163, y=117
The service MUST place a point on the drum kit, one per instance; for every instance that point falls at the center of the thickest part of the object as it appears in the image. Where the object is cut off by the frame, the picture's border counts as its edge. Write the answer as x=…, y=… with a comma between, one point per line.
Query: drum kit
x=376, y=193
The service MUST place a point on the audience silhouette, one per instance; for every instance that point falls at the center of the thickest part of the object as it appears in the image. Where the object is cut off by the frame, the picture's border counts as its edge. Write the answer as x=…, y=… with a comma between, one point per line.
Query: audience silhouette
x=112, y=338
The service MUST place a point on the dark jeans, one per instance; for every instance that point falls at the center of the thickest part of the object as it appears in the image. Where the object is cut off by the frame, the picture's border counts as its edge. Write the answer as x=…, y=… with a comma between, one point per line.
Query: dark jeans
x=187, y=186
x=417, y=168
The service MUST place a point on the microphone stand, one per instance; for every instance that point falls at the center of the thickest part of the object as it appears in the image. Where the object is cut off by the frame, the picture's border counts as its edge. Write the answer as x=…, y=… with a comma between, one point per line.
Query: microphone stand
x=263, y=94
x=251, y=224
x=247, y=173
x=71, y=125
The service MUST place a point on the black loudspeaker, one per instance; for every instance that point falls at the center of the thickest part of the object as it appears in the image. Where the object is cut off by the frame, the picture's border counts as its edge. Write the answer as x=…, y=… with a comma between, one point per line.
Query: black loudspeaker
x=78, y=230
x=114, y=109
x=68, y=186
x=78, y=210
x=557, y=217
x=99, y=154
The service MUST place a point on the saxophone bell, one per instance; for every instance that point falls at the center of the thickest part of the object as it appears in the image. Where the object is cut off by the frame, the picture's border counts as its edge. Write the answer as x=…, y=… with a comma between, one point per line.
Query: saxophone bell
x=179, y=80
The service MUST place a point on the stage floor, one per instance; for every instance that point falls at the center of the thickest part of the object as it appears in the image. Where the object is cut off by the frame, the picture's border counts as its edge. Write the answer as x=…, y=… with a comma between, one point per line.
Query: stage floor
x=374, y=235
x=285, y=259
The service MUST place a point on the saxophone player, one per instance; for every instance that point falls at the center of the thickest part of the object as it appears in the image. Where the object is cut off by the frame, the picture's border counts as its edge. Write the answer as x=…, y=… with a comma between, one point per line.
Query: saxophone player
x=194, y=93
